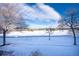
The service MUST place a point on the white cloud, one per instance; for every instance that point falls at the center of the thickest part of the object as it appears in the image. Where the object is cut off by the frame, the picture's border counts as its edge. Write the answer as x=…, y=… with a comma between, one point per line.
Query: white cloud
x=41, y=11
x=49, y=12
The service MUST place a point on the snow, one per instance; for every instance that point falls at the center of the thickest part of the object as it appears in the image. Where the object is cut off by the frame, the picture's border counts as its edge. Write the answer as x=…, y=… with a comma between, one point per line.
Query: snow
x=36, y=33
x=27, y=45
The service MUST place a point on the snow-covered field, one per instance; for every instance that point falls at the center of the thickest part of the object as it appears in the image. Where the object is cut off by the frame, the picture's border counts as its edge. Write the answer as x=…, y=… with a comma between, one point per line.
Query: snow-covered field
x=41, y=45
x=36, y=33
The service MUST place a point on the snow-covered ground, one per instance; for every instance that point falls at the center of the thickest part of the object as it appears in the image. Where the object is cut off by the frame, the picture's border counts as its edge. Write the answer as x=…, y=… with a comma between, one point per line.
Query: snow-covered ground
x=36, y=33
x=31, y=45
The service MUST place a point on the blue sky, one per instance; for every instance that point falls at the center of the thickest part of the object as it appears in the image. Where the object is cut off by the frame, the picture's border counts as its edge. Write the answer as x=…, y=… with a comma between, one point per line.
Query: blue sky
x=47, y=14
x=60, y=7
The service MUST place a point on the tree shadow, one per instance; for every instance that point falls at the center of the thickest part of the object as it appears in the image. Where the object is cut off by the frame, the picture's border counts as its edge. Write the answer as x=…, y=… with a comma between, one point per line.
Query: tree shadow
x=6, y=53
x=6, y=44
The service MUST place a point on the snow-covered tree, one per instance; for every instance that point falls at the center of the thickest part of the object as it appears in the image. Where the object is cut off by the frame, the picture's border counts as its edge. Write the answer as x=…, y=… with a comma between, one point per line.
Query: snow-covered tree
x=10, y=18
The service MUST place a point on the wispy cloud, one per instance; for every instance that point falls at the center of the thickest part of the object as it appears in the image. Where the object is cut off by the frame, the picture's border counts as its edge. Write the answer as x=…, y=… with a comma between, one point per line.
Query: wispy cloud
x=49, y=12
x=40, y=13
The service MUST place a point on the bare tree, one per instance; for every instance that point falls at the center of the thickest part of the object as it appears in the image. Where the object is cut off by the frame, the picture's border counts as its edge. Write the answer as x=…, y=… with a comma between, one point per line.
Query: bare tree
x=49, y=31
x=10, y=18
x=71, y=21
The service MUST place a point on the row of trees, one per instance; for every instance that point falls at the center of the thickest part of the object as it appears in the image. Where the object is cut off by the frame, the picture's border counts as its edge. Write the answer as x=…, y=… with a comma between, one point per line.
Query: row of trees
x=10, y=19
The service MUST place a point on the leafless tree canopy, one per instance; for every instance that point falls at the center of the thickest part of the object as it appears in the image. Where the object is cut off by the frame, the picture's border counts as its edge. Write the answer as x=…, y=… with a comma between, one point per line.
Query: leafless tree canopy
x=71, y=18
x=10, y=16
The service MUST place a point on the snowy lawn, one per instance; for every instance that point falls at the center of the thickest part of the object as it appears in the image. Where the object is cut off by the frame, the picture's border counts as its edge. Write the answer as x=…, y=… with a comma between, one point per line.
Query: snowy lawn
x=40, y=45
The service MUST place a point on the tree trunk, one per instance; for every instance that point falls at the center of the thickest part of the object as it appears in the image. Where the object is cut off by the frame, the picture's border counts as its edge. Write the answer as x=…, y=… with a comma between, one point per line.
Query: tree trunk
x=4, y=37
x=49, y=35
x=74, y=35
